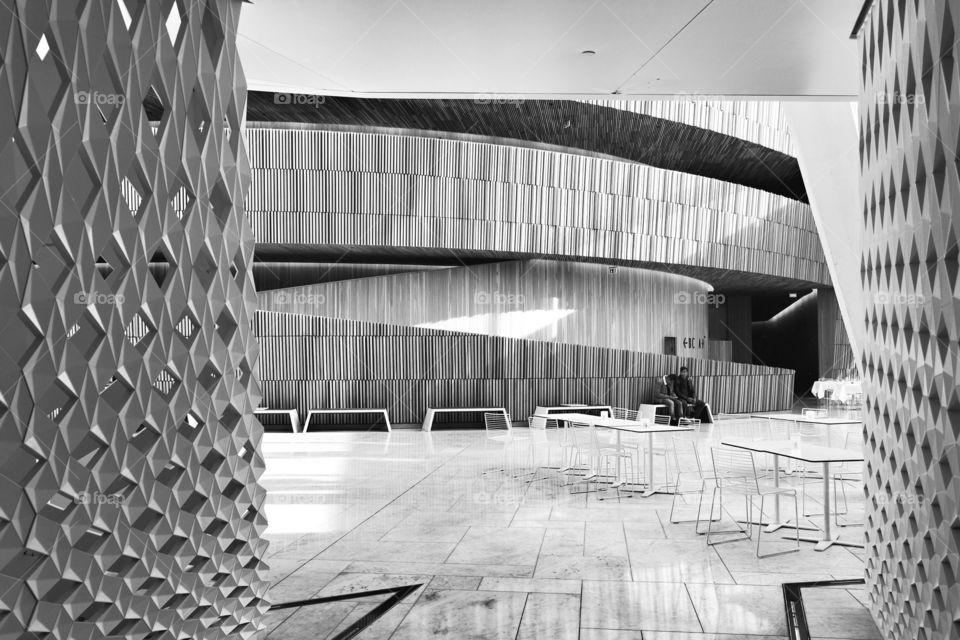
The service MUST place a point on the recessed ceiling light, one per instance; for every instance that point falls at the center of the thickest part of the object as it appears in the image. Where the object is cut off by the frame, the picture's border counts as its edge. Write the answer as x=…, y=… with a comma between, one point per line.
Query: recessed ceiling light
x=588, y=52
x=792, y=295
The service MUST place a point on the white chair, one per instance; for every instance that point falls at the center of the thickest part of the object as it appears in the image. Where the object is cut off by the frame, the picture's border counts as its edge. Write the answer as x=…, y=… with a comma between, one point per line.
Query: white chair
x=540, y=441
x=734, y=471
x=847, y=472
x=597, y=457
x=699, y=476
x=628, y=443
x=499, y=429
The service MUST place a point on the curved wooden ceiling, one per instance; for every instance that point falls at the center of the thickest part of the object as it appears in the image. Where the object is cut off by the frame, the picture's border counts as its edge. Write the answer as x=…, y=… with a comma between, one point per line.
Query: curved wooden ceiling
x=573, y=125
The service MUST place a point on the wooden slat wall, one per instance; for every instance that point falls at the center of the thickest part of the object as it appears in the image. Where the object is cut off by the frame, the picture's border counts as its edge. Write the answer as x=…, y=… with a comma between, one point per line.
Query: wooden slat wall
x=632, y=309
x=319, y=187
x=316, y=362
x=759, y=121
x=836, y=354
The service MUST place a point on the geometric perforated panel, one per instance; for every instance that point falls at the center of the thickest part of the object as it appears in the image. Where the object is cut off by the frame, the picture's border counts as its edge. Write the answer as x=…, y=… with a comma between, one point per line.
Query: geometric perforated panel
x=910, y=197
x=129, y=496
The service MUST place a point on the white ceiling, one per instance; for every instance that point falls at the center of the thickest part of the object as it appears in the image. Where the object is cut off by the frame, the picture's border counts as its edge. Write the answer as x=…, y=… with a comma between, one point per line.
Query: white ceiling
x=749, y=48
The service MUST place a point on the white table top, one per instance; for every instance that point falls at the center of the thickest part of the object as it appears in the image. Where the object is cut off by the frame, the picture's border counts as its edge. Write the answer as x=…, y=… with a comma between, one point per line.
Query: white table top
x=619, y=424
x=796, y=450
x=543, y=410
x=799, y=417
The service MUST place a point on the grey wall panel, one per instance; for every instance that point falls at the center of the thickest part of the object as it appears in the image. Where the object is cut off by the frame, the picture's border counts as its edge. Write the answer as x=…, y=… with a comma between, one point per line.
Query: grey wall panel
x=910, y=190
x=316, y=362
x=590, y=304
x=131, y=502
x=351, y=189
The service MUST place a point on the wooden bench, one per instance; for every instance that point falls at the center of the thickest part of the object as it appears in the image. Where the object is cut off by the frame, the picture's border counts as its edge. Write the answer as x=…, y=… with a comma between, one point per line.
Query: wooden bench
x=431, y=413
x=291, y=413
x=319, y=412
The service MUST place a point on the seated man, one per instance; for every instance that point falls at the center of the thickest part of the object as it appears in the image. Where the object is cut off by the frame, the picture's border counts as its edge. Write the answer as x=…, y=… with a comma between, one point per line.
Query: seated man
x=683, y=387
x=664, y=394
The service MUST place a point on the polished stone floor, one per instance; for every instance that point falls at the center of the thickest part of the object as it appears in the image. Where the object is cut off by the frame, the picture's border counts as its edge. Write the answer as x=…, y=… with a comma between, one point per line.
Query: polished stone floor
x=503, y=557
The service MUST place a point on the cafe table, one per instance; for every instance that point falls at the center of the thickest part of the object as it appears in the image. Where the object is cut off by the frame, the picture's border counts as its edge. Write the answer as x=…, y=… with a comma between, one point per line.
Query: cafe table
x=621, y=426
x=812, y=453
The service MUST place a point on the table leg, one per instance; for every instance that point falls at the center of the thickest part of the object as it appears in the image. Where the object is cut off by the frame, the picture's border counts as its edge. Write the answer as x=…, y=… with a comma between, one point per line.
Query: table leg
x=777, y=522
x=650, y=488
x=619, y=462
x=826, y=539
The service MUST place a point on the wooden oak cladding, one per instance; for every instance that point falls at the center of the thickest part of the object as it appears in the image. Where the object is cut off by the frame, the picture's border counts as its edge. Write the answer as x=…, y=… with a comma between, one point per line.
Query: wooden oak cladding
x=317, y=362
x=313, y=188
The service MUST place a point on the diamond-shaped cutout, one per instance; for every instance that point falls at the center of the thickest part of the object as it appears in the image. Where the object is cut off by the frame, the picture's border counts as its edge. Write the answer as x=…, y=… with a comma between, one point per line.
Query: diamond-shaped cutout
x=56, y=401
x=209, y=377
x=138, y=331
x=190, y=427
x=166, y=383
x=43, y=47
x=187, y=328
x=125, y=13
x=159, y=267
x=116, y=394
x=182, y=203
x=145, y=437
x=174, y=21
x=198, y=116
x=135, y=191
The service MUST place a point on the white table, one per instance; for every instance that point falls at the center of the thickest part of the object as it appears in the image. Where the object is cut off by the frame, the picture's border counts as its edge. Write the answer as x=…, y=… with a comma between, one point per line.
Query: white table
x=806, y=453
x=840, y=389
x=432, y=412
x=290, y=413
x=630, y=426
x=547, y=412
x=319, y=412
x=829, y=423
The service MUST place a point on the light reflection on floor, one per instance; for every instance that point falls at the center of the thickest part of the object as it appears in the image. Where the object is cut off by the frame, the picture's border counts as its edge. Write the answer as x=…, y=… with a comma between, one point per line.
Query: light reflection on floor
x=501, y=557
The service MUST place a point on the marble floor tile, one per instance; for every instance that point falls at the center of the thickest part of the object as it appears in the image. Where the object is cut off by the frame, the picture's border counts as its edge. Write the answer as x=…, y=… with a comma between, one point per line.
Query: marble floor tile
x=610, y=634
x=637, y=606
x=670, y=635
x=835, y=613
x=315, y=621
x=676, y=561
x=463, y=615
x=605, y=539
x=583, y=568
x=389, y=550
x=493, y=545
x=466, y=583
x=566, y=541
x=550, y=615
x=380, y=629
x=504, y=557
x=747, y=609
x=531, y=585
x=359, y=582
